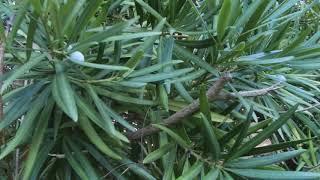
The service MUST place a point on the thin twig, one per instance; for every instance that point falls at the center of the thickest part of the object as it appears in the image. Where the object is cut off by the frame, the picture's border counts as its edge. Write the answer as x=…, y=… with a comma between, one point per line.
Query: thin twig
x=307, y=108
x=17, y=164
x=183, y=113
x=62, y=156
x=144, y=150
x=198, y=156
x=58, y=156
x=114, y=169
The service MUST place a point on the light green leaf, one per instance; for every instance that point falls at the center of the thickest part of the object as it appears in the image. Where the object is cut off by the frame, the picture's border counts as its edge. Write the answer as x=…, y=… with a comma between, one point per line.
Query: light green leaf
x=71, y=9
x=169, y=164
x=153, y=68
x=101, y=66
x=19, y=17
x=184, y=54
x=275, y=147
x=263, y=161
x=37, y=139
x=88, y=12
x=123, y=97
x=133, y=62
x=95, y=139
x=276, y=175
x=264, y=134
x=27, y=125
x=31, y=32
x=101, y=106
x=212, y=139
x=244, y=60
x=153, y=156
x=161, y=76
x=137, y=169
x=223, y=18
x=65, y=93
x=192, y=173
x=173, y=135
x=212, y=174
x=20, y=71
x=163, y=96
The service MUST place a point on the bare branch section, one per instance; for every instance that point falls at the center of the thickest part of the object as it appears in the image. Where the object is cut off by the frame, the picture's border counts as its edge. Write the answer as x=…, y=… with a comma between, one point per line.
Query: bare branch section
x=180, y=115
x=252, y=93
x=214, y=93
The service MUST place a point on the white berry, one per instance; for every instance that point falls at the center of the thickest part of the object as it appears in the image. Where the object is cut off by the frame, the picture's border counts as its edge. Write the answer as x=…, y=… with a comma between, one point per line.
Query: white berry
x=77, y=56
x=281, y=78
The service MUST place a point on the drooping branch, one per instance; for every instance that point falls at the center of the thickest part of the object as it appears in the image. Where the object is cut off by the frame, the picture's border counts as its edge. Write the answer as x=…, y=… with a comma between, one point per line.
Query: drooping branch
x=181, y=115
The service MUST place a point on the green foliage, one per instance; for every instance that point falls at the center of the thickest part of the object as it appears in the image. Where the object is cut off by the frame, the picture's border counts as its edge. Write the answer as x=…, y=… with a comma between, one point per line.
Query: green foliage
x=94, y=72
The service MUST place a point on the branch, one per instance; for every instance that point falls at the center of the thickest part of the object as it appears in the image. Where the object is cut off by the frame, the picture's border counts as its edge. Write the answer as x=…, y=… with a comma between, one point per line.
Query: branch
x=252, y=93
x=183, y=113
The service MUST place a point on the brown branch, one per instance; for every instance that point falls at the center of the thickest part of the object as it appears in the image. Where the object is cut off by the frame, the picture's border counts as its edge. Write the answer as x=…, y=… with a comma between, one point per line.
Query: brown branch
x=183, y=113
x=214, y=93
x=252, y=93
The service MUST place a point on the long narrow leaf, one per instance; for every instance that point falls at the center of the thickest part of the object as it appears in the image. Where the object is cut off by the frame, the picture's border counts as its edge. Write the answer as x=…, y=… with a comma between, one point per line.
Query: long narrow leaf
x=276, y=175
x=264, y=134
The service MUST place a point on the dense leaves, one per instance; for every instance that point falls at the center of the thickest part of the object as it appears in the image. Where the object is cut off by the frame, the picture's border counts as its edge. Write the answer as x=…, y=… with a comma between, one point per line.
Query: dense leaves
x=82, y=76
